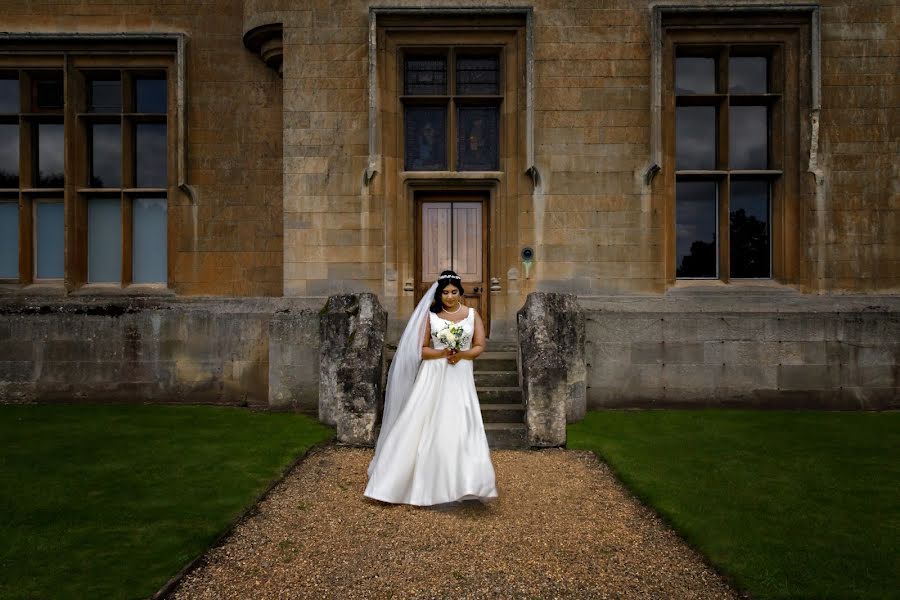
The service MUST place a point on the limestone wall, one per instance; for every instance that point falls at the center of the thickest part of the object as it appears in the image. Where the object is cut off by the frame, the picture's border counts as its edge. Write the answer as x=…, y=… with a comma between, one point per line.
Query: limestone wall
x=139, y=350
x=748, y=350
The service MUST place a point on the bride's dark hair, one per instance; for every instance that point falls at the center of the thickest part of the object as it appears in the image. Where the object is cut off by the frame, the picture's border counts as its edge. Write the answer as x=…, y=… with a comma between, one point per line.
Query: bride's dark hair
x=446, y=278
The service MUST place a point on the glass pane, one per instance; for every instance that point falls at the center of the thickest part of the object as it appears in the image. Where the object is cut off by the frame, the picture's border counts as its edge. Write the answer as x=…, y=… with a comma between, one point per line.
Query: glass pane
x=150, y=155
x=426, y=75
x=478, y=75
x=149, y=249
x=748, y=75
x=9, y=95
x=478, y=141
x=106, y=96
x=104, y=240
x=50, y=152
x=695, y=138
x=749, y=222
x=749, y=137
x=426, y=138
x=106, y=155
x=695, y=224
x=9, y=155
x=49, y=231
x=150, y=95
x=9, y=240
x=47, y=93
x=695, y=75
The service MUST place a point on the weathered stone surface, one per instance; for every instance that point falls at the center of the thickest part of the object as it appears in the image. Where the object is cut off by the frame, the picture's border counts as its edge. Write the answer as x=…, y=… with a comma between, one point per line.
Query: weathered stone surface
x=138, y=349
x=293, y=361
x=552, y=341
x=352, y=330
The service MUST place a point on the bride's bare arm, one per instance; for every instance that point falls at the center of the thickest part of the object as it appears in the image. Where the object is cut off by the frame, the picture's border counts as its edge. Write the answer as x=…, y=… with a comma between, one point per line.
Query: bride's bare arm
x=429, y=353
x=477, y=343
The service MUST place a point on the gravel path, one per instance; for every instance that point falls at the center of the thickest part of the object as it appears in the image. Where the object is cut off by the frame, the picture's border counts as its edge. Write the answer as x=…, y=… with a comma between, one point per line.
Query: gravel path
x=563, y=527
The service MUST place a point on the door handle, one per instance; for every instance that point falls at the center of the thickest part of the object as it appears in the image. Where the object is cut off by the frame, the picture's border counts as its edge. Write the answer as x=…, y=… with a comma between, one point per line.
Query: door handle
x=475, y=290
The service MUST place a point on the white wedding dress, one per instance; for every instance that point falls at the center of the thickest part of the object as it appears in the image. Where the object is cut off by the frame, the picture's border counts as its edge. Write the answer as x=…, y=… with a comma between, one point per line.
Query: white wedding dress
x=436, y=450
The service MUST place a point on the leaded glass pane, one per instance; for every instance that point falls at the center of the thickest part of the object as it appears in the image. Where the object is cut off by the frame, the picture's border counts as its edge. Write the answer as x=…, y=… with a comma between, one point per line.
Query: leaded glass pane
x=478, y=138
x=104, y=240
x=426, y=75
x=106, y=155
x=748, y=75
x=47, y=93
x=105, y=96
x=150, y=95
x=749, y=137
x=426, y=138
x=149, y=244
x=49, y=230
x=150, y=155
x=695, y=138
x=9, y=240
x=50, y=152
x=695, y=225
x=478, y=75
x=9, y=155
x=749, y=223
x=695, y=75
x=9, y=95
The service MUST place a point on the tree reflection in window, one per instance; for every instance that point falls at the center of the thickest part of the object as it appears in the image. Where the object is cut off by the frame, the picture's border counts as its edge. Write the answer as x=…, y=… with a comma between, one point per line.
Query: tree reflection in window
x=696, y=224
x=749, y=229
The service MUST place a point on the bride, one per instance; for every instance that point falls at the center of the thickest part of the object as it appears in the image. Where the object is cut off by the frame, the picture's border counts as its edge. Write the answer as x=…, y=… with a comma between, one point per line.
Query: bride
x=432, y=448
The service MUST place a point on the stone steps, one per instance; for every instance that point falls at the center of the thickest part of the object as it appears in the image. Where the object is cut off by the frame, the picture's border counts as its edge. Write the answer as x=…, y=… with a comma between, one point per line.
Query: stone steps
x=506, y=435
x=500, y=395
x=486, y=379
x=503, y=413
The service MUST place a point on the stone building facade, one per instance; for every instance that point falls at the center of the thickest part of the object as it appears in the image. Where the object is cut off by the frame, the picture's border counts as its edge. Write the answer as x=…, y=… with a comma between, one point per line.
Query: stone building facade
x=716, y=182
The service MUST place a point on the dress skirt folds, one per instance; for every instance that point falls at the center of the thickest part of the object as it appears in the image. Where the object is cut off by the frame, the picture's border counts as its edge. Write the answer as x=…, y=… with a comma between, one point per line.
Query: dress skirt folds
x=437, y=450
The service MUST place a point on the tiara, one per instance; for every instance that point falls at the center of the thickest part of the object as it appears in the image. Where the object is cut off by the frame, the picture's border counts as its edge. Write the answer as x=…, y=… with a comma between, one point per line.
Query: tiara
x=450, y=277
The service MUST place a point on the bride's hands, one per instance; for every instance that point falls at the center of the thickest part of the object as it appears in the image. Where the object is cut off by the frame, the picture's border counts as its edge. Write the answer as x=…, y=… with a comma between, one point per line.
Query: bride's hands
x=454, y=356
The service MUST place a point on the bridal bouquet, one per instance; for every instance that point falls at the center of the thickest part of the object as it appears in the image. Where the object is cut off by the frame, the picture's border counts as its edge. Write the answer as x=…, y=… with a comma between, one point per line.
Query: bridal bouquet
x=452, y=336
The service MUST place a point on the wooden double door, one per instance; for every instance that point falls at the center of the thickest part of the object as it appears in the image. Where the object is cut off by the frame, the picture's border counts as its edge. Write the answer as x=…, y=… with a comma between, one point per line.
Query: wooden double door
x=452, y=234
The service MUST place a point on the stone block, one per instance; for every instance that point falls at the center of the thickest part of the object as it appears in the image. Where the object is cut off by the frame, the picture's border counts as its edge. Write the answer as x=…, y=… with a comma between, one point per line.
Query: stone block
x=551, y=332
x=294, y=361
x=352, y=330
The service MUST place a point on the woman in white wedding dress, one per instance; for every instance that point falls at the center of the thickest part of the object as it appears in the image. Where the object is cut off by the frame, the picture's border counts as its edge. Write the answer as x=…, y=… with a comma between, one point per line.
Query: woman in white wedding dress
x=432, y=448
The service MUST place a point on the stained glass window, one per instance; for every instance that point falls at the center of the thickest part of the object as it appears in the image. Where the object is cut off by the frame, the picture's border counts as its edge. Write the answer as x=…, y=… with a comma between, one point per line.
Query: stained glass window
x=478, y=138
x=426, y=138
x=477, y=75
x=426, y=75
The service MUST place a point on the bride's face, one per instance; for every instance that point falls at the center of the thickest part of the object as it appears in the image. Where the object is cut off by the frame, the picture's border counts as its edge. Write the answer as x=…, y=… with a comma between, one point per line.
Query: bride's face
x=450, y=296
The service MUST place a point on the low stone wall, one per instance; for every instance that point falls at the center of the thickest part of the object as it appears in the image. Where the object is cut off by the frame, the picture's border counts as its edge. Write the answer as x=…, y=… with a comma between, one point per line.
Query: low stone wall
x=777, y=350
x=193, y=350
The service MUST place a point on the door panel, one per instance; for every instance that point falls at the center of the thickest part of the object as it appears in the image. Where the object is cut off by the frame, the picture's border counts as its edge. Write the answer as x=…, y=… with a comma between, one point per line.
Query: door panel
x=453, y=236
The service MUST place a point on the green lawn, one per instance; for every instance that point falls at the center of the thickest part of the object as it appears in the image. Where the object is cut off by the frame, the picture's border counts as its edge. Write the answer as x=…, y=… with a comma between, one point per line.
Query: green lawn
x=789, y=504
x=111, y=501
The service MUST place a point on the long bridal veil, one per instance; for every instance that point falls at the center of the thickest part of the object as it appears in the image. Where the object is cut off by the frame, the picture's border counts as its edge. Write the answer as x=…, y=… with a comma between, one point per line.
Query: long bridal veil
x=402, y=374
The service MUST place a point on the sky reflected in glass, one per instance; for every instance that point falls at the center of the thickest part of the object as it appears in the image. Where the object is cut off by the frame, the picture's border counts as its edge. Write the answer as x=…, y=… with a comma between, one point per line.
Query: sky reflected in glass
x=695, y=226
x=106, y=155
x=748, y=75
x=695, y=137
x=695, y=75
x=9, y=95
x=9, y=155
x=51, y=154
x=150, y=155
x=150, y=95
x=749, y=137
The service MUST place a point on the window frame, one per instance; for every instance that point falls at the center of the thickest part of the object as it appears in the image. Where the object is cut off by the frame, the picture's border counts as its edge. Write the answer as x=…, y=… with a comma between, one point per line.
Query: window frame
x=451, y=100
x=782, y=36
x=76, y=58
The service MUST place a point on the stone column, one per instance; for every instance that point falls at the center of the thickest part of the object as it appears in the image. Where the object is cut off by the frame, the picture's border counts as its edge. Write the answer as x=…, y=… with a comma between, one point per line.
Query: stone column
x=352, y=329
x=551, y=343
